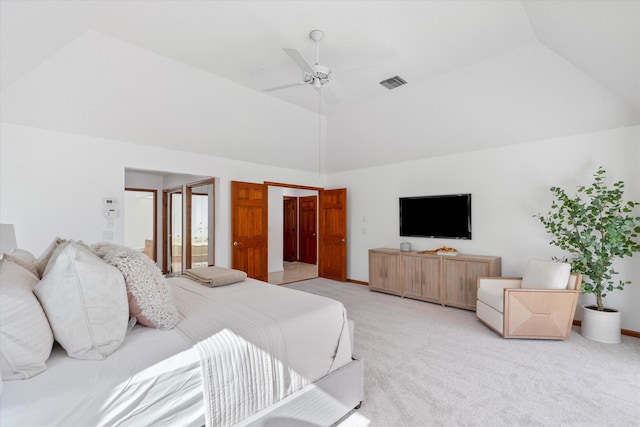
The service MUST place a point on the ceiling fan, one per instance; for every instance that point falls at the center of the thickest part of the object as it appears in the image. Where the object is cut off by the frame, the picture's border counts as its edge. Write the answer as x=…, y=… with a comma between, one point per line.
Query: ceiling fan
x=316, y=75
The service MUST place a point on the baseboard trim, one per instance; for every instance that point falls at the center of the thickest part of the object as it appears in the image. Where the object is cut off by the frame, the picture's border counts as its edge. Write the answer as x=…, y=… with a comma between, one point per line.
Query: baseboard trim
x=627, y=332
x=357, y=282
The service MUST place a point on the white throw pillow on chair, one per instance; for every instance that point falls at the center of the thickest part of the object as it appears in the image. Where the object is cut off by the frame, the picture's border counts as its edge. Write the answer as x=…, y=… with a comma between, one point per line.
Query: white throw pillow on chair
x=546, y=275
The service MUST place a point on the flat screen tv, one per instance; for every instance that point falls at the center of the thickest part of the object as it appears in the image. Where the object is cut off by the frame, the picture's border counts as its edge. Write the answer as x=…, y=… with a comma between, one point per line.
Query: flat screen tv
x=447, y=216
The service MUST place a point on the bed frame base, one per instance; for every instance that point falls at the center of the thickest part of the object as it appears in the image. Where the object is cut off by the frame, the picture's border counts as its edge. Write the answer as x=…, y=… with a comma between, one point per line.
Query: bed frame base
x=325, y=402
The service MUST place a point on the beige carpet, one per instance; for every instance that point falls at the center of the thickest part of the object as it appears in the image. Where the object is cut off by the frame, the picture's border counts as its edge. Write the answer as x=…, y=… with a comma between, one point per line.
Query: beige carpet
x=426, y=365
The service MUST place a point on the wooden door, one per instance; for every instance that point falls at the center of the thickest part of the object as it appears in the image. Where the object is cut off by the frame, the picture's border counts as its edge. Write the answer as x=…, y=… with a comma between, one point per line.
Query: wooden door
x=332, y=262
x=289, y=232
x=249, y=216
x=307, y=228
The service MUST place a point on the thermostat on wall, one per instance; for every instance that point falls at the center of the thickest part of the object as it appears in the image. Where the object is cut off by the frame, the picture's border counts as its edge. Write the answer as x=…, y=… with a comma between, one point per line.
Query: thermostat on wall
x=111, y=212
x=109, y=201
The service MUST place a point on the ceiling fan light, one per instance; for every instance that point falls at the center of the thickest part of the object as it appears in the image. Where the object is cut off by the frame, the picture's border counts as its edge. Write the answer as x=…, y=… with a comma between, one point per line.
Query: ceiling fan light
x=317, y=83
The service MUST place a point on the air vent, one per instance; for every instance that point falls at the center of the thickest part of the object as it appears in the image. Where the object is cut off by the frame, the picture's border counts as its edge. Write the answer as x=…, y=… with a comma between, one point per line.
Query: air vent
x=393, y=82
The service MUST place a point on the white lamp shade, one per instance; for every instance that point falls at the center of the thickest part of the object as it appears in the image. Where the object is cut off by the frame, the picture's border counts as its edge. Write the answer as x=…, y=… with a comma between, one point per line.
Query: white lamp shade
x=7, y=238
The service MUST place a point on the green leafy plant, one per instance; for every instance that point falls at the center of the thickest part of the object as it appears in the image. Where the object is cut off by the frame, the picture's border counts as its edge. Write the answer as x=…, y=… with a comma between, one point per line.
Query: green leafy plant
x=596, y=227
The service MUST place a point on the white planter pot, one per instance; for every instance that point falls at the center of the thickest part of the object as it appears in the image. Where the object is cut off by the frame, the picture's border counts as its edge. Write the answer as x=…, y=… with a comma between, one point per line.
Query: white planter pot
x=601, y=326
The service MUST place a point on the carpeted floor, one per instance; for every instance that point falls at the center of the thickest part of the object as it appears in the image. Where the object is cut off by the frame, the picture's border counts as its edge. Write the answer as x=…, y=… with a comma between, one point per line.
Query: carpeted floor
x=427, y=365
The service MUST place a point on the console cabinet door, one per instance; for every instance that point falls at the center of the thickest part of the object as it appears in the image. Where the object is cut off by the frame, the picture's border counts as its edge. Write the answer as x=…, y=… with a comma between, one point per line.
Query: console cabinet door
x=454, y=282
x=421, y=277
x=473, y=271
x=460, y=282
x=383, y=272
x=411, y=276
x=430, y=289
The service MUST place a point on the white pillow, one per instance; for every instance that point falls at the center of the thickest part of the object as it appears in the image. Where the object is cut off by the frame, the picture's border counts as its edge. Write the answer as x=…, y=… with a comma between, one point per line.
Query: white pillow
x=546, y=275
x=24, y=259
x=150, y=297
x=25, y=333
x=85, y=300
x=43, y=259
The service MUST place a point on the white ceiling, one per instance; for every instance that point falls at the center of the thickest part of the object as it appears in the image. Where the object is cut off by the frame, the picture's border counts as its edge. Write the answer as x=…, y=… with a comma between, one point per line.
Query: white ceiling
x=480, y=74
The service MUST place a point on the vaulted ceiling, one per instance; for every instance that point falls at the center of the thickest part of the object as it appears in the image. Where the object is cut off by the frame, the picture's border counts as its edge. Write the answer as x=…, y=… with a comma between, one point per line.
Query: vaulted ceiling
x=480, y=74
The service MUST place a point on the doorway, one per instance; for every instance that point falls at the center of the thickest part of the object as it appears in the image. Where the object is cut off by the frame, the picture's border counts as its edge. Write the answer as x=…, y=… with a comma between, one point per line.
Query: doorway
x=293, y=245
x=141, y=218
x=253, y=230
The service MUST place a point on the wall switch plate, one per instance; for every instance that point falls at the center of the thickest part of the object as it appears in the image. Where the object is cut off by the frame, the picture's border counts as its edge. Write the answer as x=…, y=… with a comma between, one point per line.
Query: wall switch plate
x=107, y=235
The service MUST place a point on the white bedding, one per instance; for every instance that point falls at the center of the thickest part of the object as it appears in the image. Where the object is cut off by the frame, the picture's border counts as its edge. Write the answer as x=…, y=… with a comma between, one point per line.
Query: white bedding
x=155, y=377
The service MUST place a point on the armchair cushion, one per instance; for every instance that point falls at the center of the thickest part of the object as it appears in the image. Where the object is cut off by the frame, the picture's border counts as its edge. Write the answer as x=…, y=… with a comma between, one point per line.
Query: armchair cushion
x=546, y=275
x=492, y=296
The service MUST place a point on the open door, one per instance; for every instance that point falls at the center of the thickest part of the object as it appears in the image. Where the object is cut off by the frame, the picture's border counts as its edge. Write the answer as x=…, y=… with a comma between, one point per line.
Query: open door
x=249, y=233
x=332, y=262
x=308, y=236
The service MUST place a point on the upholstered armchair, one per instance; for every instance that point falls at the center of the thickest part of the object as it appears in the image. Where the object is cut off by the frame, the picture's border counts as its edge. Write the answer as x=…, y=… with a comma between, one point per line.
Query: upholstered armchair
x=540, y=305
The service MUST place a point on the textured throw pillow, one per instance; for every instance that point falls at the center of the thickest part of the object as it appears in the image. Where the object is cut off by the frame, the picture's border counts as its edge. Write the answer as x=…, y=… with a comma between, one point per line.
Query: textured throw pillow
x=546, y=275
x=85, y=300
x=43, y=259
x=24, y=259
x=25, y=335
x=150, y=297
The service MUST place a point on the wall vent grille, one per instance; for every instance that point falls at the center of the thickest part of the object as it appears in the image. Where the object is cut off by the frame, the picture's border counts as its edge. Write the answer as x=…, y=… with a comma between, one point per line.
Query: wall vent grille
x=393, y=82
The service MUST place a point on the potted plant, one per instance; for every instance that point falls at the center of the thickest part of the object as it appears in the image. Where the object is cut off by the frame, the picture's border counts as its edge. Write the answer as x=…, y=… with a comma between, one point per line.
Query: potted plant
x=595, y=227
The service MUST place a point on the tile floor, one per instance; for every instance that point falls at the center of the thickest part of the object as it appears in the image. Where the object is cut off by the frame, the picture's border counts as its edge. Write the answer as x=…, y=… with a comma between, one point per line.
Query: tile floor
x=294, y=272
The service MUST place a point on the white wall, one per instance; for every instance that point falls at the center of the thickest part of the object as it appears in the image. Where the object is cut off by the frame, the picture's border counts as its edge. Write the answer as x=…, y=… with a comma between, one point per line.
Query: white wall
x=52, y=183
x=276, y=229
x=508, y=186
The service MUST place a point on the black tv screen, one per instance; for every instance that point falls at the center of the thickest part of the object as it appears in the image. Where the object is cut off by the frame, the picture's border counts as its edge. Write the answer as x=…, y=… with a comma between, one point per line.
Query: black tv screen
x=447, y=216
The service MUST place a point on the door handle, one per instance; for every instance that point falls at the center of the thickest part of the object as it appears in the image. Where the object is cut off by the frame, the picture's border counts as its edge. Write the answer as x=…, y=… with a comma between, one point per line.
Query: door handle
x=236, y=243
x=342, y=240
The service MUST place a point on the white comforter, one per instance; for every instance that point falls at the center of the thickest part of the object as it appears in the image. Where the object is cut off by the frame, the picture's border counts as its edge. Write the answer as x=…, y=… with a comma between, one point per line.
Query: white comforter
x=264, y=343
x=155, y=376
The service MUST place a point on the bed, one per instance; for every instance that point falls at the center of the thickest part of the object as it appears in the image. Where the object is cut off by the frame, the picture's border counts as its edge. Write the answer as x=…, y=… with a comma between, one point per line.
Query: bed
x=246, y=353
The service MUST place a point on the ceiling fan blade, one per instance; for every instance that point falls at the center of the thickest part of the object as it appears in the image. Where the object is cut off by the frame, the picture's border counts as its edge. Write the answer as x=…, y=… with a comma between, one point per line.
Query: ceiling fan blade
x=299, y=60
x=283, y=86
x=329, y=96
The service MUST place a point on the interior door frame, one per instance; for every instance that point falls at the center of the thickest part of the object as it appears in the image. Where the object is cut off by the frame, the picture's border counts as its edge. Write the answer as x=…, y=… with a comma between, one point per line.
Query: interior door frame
x=319, y=225
x=166, y=221
x=189, y=210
